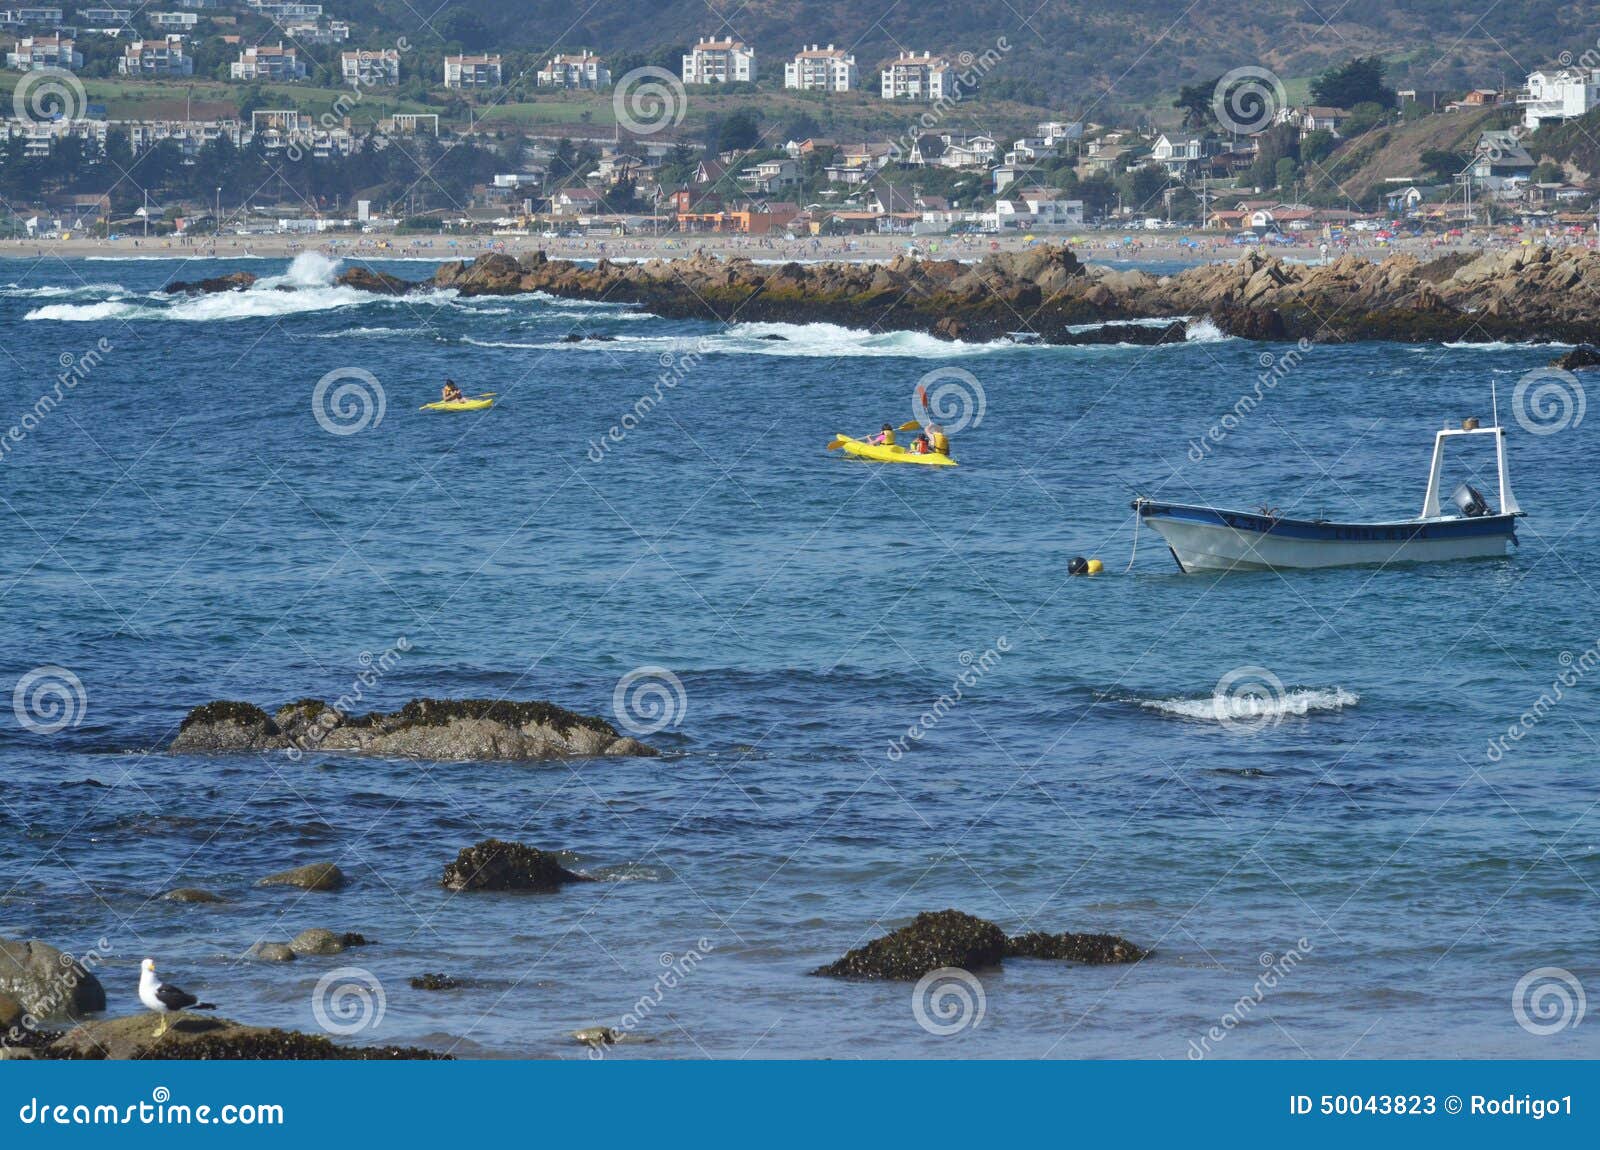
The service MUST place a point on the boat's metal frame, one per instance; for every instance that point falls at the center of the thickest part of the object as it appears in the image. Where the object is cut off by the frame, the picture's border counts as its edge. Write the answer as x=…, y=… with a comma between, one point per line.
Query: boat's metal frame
x=1205, y=538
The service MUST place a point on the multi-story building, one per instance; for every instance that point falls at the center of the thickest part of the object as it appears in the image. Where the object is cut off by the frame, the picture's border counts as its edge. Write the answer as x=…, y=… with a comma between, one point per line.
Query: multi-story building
x=268, y=62
x=34, y=52
x=817, y=69
x=715, y=61
x=174, y=21
x=918, y=77
x=472, y=71
x=164, y=57
x=1560, y=94
x=105, y=17
x=585, y=70
x=315, y=32
x=369, y=69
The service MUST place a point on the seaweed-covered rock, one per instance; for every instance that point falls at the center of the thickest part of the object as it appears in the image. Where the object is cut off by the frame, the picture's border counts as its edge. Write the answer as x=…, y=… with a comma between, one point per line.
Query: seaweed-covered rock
x=209, y=1038
x=191, y=894
x=317, y=940
x=1096, y=949
x=312, y=876
x=439, y=729
x=497, y=865
x=47, y=983
x=932, y=940
x=431, y=981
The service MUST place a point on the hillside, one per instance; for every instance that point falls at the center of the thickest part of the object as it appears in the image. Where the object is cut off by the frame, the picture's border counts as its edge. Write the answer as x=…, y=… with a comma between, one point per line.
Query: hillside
x=1074, y=55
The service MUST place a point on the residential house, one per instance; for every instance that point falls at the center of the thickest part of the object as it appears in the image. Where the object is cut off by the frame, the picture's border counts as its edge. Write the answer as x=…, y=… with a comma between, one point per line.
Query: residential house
x=817, y=69
x=1475, y=99
x=1181, y=156
x=36, y=52
x=966, y=152
x=174, y=21
x=268, y=62
x=807, y=147
x=370, y=69
x=911, y=76
x=714, y=61
x=472, y=71
x=105, y=17
x=1056, y=133
x=164, y=57
x=858, y=163
x=583, y=71
x=1004, y=175
x=1559, y=94
x=771, y=176
x=1313, y=118
x=411, y=124
x=576, y=201
x=1500, y=163
x=1030, y=149
x=316, y=32
x=1035, y=215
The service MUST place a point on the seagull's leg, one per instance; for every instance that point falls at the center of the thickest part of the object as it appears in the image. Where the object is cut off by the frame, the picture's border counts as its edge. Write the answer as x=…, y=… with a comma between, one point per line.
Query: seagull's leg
x=162, y=1027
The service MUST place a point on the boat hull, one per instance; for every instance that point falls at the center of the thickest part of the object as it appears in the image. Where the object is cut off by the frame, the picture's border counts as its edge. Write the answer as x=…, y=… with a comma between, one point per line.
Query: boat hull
x=1217, y=539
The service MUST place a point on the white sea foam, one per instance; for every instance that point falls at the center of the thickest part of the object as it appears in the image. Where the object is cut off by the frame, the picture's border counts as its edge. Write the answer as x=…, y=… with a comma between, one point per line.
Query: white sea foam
x=59, y=291
x=1495, y=345
x=1230, y=708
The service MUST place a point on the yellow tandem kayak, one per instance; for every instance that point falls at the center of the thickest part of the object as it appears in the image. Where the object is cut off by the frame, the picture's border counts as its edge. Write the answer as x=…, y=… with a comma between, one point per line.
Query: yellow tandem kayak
x=895, y=454
x=458, y=405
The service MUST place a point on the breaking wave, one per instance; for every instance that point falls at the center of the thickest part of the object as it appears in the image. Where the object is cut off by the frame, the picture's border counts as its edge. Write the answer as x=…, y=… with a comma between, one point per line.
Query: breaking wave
x=1229, y=708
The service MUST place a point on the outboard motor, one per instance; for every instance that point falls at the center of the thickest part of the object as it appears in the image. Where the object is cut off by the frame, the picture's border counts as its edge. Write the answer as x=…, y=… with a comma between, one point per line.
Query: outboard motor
x=1469, y=500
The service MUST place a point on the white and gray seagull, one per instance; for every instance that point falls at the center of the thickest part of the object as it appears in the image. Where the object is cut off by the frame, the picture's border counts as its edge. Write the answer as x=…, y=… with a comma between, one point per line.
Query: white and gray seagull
x=164, y=998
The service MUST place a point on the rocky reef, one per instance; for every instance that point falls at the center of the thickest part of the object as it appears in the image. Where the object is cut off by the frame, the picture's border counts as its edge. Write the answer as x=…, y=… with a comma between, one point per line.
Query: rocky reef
x=1522, y=294
x=209, y=1038
x=496, y=865
x=936, y=939
x=438, y=729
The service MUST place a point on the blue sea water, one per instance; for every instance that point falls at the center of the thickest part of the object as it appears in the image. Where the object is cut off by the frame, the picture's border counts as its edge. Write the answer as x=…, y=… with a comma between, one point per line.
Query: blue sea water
x=1348, y=870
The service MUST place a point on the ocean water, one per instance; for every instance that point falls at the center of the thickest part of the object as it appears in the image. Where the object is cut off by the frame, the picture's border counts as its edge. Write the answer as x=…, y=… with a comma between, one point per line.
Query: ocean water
x=1330, y=858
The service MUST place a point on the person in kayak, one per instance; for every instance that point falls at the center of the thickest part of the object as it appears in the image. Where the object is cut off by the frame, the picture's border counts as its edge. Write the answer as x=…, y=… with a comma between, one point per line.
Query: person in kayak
x=450, y=393
x=938, y=441
x=920, y=445
x=884, y=438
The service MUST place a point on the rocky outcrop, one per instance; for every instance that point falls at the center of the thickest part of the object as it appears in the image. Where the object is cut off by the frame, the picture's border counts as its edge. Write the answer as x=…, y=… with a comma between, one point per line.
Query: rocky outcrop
x=233, y=281
x=1578, y=358
x=365, y=279
x=209, y=1038
x=46, y=983
x=271, y=952
x=497, y=865
x=438, y=729
x=312, y=876
x=317, y=940
x=1137, y=333
x=936, y=939
x=1522, y=294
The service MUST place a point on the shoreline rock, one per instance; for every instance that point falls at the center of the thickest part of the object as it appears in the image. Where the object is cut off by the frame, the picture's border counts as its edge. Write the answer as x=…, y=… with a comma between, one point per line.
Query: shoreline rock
x=210, y=1038
x=936, y=939
x=47, y=983
x=312, y=876
x=497, y=865
x=448, y=730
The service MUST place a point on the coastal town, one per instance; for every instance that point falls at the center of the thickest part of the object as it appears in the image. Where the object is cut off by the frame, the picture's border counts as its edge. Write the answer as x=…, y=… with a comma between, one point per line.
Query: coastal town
x=329, y=134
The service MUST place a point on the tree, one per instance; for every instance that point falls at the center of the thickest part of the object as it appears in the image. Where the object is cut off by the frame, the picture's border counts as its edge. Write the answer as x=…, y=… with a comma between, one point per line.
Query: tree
x=1549, y=172
x=1317, y=146
x=1285, y=173
x=1358, y=82
x=1198, y=104
x=738, y=132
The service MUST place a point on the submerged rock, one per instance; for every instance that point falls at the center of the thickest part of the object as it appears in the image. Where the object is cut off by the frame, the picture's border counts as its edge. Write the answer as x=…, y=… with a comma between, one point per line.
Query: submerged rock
x=209, y=1038
x=312, y=876
x=434, y=982
x=271, y=952
x=933, y=939
x=191, y=894
x=1096, y=949
x=1112, y=333
x=1582, y=356
x=497, y=865
x=438, y=729
x=46, y=983
x=316, y=940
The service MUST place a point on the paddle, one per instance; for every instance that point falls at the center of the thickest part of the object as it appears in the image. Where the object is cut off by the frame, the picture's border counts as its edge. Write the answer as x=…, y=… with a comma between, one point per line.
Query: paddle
x=913, y=425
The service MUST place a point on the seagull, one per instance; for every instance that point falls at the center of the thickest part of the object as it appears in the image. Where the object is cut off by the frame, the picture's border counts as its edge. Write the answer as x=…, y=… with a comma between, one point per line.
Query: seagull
x=164, y=998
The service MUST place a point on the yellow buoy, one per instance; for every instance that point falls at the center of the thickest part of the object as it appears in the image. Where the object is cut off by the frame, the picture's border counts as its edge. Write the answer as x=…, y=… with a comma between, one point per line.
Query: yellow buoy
x=1095, y=567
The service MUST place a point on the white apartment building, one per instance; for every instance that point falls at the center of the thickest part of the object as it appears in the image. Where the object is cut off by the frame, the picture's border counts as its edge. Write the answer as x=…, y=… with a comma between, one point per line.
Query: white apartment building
x=1560, y=94
x=472, y=71
x=105, y=17
x=164, y=57
x=313, y=32
x=585, y=70
x=817, y=69
x=35, y=52
x=370, y=69
x=268, y=62
x=918, y=77
x=715, y=61
x=174, y=21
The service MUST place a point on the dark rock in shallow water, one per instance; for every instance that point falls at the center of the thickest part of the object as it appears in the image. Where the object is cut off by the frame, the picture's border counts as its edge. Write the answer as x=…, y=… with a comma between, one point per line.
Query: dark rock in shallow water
x=271, y=952
x=317, y=940
x=210, y=1038
x=440, y=729
x=47, y=983
x=365, y=279
x=497, y=865
x=1114, y=333
x=1585, y=355
x=233, y=281
x=191, y=894
x=1097, y=949
x=312, y=876
x=434, y=982
x=934, y=939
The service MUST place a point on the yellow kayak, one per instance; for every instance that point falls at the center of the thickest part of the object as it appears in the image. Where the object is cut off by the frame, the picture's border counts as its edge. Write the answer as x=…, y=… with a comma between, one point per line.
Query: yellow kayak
x=458, y=405
x=895, y=454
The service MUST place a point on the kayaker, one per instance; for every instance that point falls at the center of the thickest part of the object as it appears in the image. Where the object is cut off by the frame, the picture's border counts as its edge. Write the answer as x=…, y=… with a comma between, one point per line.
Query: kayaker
x=450, y=393
x=884, y=438
x=938, y=441
x=920, y=445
